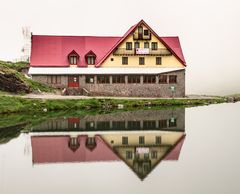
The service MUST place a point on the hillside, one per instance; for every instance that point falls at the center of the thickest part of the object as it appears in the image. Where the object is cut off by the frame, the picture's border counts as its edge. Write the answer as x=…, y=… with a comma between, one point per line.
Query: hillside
x=12, y=80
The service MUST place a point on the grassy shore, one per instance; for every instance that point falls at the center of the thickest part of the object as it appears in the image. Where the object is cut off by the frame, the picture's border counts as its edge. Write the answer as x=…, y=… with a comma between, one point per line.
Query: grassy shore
x=10, y=104
x=13, y=69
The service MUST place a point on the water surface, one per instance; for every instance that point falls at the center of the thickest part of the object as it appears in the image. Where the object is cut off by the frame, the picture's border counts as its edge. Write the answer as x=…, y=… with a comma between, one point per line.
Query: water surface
x=192, y=150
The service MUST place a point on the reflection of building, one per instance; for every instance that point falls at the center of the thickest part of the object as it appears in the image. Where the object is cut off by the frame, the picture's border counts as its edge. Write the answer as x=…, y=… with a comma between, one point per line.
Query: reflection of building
x=165, y=120
x=140, y=151
x=142, y=139
x=143, y=151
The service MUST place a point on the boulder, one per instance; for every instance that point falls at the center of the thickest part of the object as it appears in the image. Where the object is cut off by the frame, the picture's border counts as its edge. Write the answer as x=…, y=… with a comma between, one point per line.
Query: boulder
x=11, y=82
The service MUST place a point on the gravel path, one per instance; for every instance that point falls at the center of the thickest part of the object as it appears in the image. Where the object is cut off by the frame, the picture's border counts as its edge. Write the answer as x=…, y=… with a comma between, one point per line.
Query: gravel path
x=57, y=96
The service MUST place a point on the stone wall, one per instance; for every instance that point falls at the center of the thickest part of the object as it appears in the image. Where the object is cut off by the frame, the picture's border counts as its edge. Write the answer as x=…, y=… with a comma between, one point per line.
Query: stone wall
x=106, y=121
x=139, y=90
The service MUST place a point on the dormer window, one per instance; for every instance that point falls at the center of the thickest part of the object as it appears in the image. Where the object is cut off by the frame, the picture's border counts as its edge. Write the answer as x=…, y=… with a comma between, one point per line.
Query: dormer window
x=90, y=58
x=73, y=58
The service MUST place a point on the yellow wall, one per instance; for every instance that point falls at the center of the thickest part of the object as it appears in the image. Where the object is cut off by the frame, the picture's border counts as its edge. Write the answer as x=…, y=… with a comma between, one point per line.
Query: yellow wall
x=169, y=138
x=150, y=61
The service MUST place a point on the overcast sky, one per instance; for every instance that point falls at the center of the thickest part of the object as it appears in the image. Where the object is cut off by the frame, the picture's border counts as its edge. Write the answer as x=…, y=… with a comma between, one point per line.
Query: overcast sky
x=209, y=31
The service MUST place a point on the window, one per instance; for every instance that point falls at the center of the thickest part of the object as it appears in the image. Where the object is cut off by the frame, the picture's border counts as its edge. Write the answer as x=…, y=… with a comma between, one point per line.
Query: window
x=91, y=141
x=154, y=45
x=103, y=125
x=73, y=141
x=154, y=154
x=146, y=44
x=149, y=79
x=162, y=124
x=89, y=79
x=141, y=139
x=124, y=140
x=129, y=155
x=158, y=140
x=128, y=46
x=54, y=79
x=149, y=124
x=172, y=79
x=73, y=60
x=140, y=29
x=112, y=59
x=141, y=60
x=118, y=79
x=103, y=79
x=146, y=32
x=133, y=79
x=146, y=156
x=146, y=167
x=124, y=60
x=136, y=45
x=158, y=60
x=134, y=125
x=90, y=125
x=172, y=122
x=90, y=60
x=118, y=125
x=162, y=79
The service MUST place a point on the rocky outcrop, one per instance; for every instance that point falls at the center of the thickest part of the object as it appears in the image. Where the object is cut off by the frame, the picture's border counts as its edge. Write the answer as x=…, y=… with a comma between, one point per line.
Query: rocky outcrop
x=10, y=81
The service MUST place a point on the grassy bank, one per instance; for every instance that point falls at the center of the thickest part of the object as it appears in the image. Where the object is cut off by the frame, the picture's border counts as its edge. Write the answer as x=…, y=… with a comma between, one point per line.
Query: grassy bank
x=10, y=69
x=17, y=104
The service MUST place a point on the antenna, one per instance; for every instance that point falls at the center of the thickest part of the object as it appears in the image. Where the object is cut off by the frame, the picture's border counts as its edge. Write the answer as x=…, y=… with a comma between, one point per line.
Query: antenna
x=27, y=43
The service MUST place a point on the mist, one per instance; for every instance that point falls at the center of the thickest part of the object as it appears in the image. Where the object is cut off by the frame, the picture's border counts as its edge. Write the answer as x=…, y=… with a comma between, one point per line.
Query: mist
x=209, y=31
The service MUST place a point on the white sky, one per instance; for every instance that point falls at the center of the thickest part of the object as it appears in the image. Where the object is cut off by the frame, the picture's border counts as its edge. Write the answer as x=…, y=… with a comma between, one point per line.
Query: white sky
x=209, y=31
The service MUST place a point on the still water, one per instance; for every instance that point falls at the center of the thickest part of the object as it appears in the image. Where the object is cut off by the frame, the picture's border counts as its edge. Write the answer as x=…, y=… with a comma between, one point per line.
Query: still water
x=192, y=150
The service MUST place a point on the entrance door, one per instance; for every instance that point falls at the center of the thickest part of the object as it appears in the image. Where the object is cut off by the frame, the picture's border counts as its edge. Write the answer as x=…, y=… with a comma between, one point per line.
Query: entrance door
x=73, y=81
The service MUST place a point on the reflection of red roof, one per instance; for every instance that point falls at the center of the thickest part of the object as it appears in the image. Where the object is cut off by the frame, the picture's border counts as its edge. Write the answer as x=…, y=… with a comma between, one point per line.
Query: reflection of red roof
x=52, y=51
x=53, y=149
x=175, y=152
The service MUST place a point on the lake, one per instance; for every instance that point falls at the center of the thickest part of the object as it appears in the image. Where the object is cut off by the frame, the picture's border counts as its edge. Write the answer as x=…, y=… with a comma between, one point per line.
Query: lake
x=173, y=150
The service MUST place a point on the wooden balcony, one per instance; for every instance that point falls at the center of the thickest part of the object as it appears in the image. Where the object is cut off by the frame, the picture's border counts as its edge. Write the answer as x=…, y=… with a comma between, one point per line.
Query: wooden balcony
x=138, y=36
x=146, y=52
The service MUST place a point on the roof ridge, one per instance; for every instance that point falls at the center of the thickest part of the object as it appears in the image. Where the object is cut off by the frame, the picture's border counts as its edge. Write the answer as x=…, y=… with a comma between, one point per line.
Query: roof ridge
x=76, y=36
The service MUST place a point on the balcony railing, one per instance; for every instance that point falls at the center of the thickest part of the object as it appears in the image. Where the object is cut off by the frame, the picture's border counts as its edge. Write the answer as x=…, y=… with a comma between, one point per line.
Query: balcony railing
x=153, y=52
x=141, y=36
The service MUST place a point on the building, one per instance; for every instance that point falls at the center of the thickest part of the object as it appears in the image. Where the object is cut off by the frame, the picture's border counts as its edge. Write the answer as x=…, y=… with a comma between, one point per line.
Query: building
x=140, y=120
x=140, y=63
x=141, y=151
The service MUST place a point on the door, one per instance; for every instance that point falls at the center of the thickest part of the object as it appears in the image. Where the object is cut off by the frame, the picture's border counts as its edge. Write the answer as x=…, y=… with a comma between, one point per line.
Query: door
x=73, y=81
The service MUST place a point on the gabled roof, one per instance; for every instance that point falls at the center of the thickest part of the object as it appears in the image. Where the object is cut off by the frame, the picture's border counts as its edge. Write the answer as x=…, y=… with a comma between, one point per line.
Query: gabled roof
x=172, y=43
x=52, y=51
x=54, y=149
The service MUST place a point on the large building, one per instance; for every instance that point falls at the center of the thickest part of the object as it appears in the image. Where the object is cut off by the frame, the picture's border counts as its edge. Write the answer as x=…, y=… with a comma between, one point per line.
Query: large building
x=140, y=63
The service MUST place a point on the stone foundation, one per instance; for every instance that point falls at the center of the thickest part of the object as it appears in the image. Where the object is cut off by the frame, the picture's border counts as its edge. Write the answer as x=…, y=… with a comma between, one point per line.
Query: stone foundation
x=126, y=89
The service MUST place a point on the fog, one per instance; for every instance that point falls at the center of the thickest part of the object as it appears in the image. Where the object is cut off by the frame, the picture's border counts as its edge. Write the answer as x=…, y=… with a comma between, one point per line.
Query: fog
x=209, y=31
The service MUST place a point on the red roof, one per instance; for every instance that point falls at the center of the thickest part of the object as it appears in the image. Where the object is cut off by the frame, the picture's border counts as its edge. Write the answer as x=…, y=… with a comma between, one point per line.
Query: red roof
x=53, y=149
x=52, y=51
x=175, y=152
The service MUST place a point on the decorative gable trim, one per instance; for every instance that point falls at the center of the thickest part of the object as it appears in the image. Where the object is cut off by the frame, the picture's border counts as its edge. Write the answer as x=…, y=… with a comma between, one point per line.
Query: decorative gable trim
x=129, y=32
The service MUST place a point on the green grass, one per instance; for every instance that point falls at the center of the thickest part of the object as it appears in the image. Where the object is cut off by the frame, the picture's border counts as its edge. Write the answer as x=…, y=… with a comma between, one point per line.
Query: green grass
x=13, y=69
x=17, y=104
x=18, y=66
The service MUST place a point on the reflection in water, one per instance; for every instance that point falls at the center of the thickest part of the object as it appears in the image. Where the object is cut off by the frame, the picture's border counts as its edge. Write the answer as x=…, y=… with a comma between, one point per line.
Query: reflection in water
x=141, y=139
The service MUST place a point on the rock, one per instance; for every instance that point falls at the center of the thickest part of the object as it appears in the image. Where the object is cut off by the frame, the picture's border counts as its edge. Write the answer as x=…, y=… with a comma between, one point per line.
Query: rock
x=10, y=82
x=120, y=106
